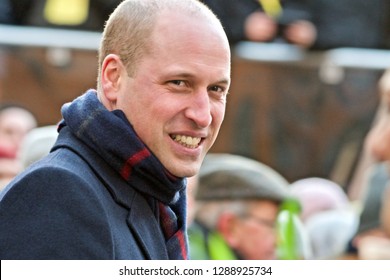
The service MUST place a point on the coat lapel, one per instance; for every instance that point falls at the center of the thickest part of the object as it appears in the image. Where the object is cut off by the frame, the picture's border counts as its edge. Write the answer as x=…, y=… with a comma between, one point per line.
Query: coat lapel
x=146, y=229
x=141, y=219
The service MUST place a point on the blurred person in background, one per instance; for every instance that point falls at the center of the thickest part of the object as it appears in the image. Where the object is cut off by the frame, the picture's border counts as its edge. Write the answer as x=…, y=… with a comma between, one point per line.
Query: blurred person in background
x=37, y=144
x=339, y=23
x=327, y=214
x=317, y=195
x=376, y=142
x=330, y=231
x=376, y=149
x=320, y=24
x=265, y=21
x=237, y=207
x=372, y=240
x=15, y=122
x=371, y=191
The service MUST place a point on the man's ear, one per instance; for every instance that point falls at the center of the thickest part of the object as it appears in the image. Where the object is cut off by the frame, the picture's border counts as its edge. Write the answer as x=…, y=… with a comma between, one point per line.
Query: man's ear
x=227, y=226
x=112, y=74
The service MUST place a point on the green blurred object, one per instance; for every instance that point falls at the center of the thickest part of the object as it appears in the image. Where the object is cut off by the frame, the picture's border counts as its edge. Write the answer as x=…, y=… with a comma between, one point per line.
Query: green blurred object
x=291, y=243
x=208, y=245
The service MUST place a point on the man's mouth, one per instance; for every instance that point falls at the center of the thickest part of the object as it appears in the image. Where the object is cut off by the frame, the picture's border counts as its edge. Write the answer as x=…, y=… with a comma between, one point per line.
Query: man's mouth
x=187, y=141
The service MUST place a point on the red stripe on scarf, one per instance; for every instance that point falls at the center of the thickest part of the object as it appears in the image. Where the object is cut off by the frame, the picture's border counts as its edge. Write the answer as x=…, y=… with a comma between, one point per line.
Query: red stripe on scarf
x=168, y=221
x=132, y=161
x=182, y=242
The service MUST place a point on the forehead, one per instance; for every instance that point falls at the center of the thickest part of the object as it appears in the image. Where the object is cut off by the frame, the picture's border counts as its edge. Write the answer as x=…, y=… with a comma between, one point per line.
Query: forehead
x=263, y=206
x=188, y=29
x=178, y=39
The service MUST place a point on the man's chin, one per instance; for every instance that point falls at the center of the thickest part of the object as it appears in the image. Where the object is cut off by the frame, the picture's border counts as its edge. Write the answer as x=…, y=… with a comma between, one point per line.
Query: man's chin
x=182, y=170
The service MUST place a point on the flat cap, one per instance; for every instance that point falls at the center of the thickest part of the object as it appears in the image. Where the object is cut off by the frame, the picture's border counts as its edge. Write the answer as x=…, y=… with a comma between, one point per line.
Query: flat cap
x=228, y=176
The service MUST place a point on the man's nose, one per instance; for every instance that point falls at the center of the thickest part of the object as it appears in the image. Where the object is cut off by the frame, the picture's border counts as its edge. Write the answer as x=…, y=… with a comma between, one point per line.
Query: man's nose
x=199, y=109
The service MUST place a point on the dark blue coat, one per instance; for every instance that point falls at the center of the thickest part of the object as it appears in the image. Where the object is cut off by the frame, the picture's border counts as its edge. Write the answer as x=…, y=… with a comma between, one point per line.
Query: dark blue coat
x=73, y=205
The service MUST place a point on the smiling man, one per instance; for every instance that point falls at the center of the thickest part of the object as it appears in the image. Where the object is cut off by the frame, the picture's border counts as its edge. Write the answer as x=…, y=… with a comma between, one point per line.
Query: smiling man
x=113, y=186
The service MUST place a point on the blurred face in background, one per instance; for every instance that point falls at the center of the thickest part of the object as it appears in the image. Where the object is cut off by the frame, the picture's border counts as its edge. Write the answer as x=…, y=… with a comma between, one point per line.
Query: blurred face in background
x=253, y=235
x=14, y=125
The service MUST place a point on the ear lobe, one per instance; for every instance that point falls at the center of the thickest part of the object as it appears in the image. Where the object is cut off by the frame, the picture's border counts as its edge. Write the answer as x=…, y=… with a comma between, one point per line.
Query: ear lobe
x=112, y=70
x=226, y=226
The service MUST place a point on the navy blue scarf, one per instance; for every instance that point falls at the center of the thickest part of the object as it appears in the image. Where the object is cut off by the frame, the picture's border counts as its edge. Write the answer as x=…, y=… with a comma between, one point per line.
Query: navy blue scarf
x=111, y=136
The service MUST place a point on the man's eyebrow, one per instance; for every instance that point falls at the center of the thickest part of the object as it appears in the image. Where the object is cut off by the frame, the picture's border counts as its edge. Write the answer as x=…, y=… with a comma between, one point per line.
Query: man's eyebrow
x=223, y=81
x=190, y=75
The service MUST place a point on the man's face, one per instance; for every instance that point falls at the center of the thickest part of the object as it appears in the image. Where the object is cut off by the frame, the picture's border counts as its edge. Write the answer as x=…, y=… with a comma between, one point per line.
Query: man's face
x=255, y=234
x=176, y=100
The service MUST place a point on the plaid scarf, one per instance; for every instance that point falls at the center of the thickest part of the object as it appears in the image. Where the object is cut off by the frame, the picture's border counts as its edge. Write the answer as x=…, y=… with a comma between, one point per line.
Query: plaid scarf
x=111, y=136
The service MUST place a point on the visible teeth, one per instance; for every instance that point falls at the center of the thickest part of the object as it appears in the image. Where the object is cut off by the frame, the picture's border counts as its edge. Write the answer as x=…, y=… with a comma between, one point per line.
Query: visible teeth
x=187, y=141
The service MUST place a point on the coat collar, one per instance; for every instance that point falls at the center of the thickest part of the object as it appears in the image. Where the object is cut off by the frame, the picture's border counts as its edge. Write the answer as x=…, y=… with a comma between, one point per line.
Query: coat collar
x=148, y=234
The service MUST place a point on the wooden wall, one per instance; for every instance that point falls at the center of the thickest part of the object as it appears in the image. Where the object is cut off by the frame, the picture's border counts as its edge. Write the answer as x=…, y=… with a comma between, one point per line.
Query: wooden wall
x=30, y=78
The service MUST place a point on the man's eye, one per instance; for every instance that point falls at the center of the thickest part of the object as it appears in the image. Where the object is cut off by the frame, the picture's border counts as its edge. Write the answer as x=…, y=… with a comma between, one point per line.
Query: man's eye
x=217, y=89
x=177, y=82
x=218, y=92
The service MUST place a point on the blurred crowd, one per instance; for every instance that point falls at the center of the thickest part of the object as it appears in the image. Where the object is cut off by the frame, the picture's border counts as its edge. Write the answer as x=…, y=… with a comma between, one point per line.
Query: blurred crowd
x=320, y=24
x=240, y=208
